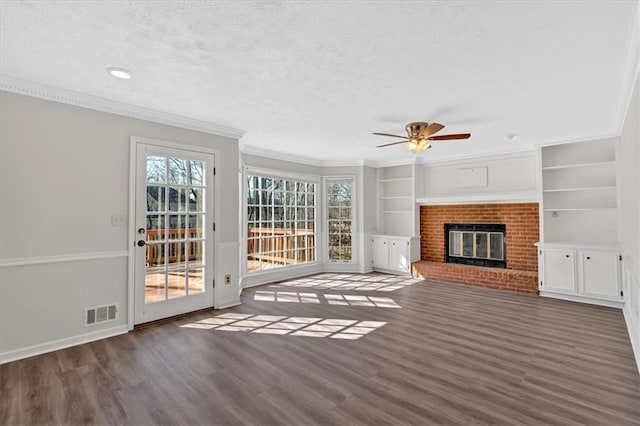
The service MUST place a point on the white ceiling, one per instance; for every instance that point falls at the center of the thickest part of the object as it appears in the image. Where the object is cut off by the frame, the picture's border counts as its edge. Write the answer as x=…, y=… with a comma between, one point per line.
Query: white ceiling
x=315, y=79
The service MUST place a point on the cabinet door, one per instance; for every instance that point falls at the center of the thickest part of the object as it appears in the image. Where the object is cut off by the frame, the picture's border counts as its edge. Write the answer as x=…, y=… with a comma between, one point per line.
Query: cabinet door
x=600, y=274
x=399, y=254
x=380, y=252
x=559, y=270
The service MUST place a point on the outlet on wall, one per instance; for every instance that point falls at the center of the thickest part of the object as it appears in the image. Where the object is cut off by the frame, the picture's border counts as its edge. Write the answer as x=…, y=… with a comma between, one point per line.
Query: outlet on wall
x=227, y=279
x=118, y=220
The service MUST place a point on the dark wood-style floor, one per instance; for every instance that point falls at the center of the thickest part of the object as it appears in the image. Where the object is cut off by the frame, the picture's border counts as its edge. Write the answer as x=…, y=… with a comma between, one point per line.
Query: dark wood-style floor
x=344, y=349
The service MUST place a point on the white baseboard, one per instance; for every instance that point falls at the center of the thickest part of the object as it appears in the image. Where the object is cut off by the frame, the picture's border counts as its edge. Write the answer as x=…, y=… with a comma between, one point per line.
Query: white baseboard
x=55, y=345
x=633, y=332
x=582, y=299
x=227, y=304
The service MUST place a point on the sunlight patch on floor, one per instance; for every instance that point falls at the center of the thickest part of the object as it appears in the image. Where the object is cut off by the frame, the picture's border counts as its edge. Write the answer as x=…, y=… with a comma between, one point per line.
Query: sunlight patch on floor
x=293, y=326
x=329, y=299
x=359, y=282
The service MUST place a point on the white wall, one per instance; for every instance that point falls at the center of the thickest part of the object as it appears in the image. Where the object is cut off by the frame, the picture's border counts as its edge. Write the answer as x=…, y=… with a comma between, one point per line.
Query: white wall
x=64, y=171
x=511, y=176
x=630, y=216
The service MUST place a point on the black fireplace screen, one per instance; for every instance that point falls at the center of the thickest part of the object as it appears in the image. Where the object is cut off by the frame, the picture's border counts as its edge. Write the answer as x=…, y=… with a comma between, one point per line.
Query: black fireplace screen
x=476, y=244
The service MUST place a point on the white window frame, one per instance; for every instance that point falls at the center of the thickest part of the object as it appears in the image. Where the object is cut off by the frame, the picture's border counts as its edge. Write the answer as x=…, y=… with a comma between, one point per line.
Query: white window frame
x=325, y=194
x=276, y=174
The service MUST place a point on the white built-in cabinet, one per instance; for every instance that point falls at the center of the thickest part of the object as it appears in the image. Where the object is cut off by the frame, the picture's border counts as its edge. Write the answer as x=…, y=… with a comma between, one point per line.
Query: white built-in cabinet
x=579, y=258
x=396, y=244
x=583, y=274
x=393, y=253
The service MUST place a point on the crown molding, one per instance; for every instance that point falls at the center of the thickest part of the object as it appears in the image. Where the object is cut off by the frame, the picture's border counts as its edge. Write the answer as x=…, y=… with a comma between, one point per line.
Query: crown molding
x=631, y=71
x=70, y=97
x=275, y=155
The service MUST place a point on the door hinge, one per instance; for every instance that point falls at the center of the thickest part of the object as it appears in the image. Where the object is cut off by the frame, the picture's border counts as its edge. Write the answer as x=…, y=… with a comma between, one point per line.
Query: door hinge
x=540, y=283
x=540, y=251
x=621, y=293
x=214, y=227
x=214, y=283
x=620, y=257
x=214, y=171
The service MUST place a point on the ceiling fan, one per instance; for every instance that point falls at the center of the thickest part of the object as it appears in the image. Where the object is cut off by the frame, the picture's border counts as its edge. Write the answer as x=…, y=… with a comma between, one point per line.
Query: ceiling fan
x=419, y=135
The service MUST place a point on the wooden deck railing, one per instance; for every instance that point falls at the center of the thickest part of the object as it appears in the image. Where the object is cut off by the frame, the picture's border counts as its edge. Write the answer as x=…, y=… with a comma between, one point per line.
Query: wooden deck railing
x=155, y=252
x=281, y=245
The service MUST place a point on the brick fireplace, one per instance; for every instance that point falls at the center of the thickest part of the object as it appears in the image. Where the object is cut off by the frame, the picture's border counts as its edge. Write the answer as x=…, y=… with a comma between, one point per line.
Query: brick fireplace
x=522, y=231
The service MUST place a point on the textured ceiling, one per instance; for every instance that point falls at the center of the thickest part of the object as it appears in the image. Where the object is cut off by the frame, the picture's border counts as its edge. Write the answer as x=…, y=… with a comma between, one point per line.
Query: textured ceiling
x=314, y=79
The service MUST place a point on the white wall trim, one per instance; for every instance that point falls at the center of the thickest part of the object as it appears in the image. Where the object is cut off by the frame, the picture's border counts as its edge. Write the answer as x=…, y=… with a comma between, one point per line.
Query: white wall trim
x=482, y=156
x=527, y=153
x=499, y=198
x=28, y=261
x=66, y=342
x=69, y=97
x=227, y=303
x=631, y=328
x=581, y=299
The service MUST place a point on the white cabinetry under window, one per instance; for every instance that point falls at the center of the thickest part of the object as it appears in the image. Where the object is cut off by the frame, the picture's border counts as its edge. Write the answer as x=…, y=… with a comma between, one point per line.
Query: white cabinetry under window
x=394, y=254
x=582, y=274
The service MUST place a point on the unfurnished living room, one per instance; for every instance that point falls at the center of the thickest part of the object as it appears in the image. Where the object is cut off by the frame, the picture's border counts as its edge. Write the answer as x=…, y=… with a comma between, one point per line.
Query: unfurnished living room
x=320, y=212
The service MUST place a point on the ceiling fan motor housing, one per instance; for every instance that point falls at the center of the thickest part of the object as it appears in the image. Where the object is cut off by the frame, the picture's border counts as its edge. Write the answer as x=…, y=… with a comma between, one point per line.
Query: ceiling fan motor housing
x=415, y=128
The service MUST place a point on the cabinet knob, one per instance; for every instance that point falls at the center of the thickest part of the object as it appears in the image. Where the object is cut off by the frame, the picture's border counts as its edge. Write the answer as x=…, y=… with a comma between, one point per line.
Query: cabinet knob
x=588, y=257
x=566, y=255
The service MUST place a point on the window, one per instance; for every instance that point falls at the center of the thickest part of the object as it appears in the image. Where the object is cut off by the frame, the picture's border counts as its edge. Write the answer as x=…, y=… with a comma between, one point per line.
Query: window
x=281, y=227
x=339, y=219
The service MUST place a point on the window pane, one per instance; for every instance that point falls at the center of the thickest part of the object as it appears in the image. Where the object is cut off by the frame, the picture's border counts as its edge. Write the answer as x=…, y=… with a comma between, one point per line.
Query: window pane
x=196, y=199
x=481, y=244
x=196, y=226
x=177, y=171
x=454, y=243
x=177, y=227
x=196, y=283
x=496, y=246
x=156, y=169
x=338, y=200
x=467, y=244
x=196, y=175
x=155, y=227
x=156, y=198
x=177, y=199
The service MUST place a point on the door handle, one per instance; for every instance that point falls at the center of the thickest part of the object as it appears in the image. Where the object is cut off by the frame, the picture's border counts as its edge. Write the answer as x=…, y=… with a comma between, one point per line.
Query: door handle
x=141, y=243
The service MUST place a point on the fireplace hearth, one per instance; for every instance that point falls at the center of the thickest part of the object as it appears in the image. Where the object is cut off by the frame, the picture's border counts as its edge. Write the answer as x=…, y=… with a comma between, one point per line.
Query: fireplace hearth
x=476, y=244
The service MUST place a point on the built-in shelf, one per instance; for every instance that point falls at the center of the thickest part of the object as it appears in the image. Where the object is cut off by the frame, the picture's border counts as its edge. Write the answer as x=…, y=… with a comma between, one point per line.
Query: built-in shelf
x=589, y=188
x=579, y=201
x=571, y=166
x=396, y=200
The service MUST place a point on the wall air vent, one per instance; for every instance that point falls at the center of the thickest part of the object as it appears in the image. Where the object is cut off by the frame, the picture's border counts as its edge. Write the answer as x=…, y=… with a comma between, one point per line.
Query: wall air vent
x=99, y=314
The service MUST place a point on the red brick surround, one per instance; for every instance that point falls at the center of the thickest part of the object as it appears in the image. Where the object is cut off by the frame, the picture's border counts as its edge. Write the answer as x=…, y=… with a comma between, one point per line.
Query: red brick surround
x=522, y=231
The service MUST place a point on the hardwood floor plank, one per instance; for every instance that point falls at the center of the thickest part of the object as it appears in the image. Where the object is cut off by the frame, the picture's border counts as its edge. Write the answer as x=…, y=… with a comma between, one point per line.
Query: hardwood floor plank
x=434, y=353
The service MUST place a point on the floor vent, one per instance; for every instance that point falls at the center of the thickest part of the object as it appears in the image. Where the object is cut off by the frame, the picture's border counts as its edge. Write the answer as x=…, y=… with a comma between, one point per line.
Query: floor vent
x=98, y=314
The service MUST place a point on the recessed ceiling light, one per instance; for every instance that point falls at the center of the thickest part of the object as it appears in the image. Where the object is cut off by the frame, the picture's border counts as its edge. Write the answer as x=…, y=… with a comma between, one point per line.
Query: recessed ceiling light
x=510, y=136
x=119, y=73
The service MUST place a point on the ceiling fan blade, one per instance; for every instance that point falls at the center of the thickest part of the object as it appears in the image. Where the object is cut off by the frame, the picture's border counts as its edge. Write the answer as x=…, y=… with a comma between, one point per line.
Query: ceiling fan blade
x=389, y=144
x=449, y=137
x=430, y=130
x=389, y=134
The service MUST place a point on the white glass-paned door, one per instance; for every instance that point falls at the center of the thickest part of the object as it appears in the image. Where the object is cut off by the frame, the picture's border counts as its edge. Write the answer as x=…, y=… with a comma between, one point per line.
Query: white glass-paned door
x=174, y=232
